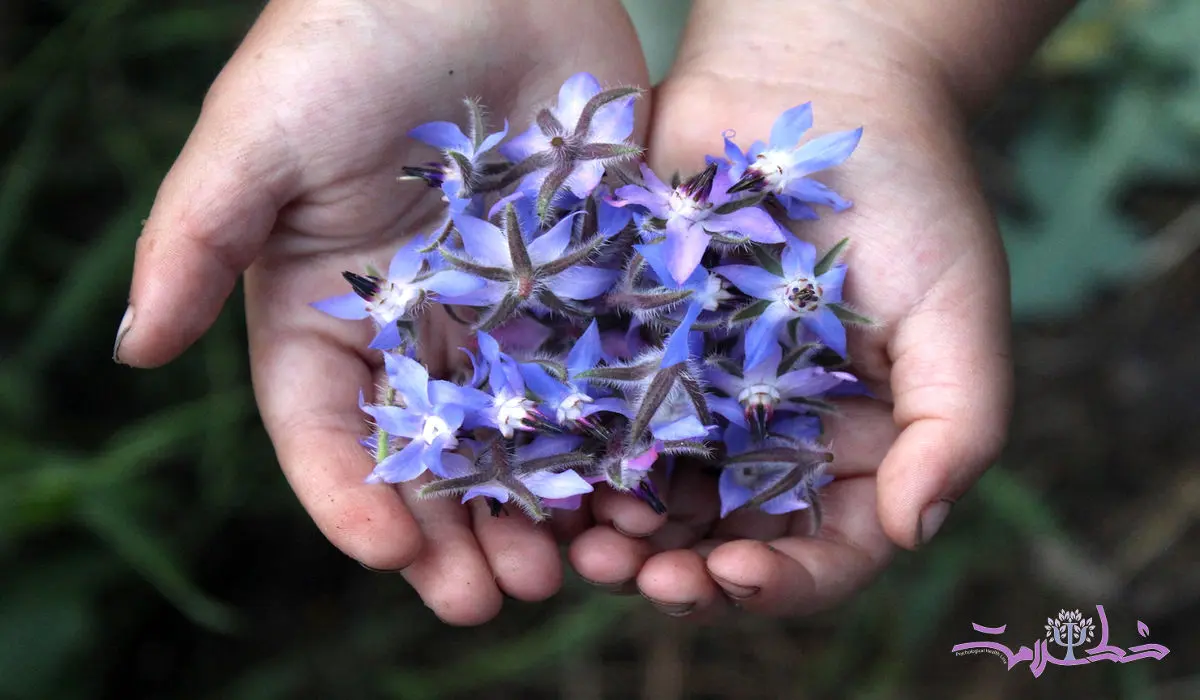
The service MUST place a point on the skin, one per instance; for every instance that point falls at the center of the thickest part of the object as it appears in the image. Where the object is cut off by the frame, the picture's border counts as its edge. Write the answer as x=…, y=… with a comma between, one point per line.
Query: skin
x=289, y=178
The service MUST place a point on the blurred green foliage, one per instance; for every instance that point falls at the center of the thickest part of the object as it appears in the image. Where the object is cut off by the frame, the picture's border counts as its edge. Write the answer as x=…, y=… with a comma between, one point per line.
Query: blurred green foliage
x=149, y=545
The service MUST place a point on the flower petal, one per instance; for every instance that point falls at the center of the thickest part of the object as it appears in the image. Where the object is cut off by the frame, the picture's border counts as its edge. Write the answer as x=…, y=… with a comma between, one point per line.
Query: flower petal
x=551, y=244
x=549, y=445
x=729, y=408
x=612, y=123
x=572, y=97
x=754, y=281
x=737, y=159
x=799, y=257
x=810, y=381
x=488, y=490
x=403, y=422
x=791, y=126
x=542, y=384
x=684, y=247
x=824, y=152
x=654, y=202
x=453, y=283
x=444, y=135
x=686, y=428
x=832, y=282
x=483, y=241
x=610, y=219
x=677, y=344
x=797, y=210
x=585, y=177
x=586, y=351
x=410, y=379
x=828, y=328
x=402, y=466
x=805, y=189
x=491, y=140
x=733, y=494
x=347, y=306
x=560, y=485
x=583, y=283
x=388, y=337
x=760, y=338
x=525, y=144
x=407, y=261
x=752, y=222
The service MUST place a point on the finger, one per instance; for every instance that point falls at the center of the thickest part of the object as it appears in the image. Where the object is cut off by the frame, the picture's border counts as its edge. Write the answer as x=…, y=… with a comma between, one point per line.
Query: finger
x=678, y=584
x=694, y=506
x=953, y=394
x=628, y=514
x=569, y=524
x=451, y=574
x=607, y=558
x=796, y=575
x=522, y=554
x=210, y=218
x=305, y=390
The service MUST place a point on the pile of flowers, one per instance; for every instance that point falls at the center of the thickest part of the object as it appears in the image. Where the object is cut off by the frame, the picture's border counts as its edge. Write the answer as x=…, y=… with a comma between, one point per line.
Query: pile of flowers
x=619, y=323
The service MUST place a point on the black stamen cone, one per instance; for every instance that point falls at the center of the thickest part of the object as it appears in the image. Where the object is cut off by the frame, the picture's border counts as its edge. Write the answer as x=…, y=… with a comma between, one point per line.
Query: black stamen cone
x=646, y=492
x=700, y=185
x=365, y=286
x=432, y=173
x=750, y=181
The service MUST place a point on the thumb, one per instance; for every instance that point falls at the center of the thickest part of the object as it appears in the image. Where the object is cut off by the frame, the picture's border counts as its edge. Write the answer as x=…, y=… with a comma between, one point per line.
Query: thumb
x=210, y=218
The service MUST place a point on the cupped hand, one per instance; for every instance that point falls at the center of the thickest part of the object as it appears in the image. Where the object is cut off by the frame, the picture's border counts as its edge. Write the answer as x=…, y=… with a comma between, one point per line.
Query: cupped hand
x=925, y=262
x=290, y=176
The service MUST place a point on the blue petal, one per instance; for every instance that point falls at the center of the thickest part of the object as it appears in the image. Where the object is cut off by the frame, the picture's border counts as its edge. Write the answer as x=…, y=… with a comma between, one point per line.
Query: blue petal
x=548, y=446
x=543, y=384
x=348, y=306
x=453, y=283
x=611, y=220
x=444, y=135
x=791, y=126
x=551, y=244
x=828, y=328
x=586, y=352
x=656, y=257
x=737, y=440
x=686, y=428
x=488, y=294
x=797, y=210
x=754, y=281
x=488, y=490
x=410, y=379
x=729, y=408
x=752, y=222
x=405, y=465
x=387, y=338
x=613, y=123
x=573, y=95
x=483, y=242
x=491, y=140
x=403, y=422
x=685, y=245
x=804, y=189
x=798, y=427
x=583, y=283
x=525, y=144
x=832, y=282
x=677, y=345
x=737, y=159
x=824, y=152
x=799, y=258
x=561, y=485
x=761, y=337
x=733, y=494
x=407, y=261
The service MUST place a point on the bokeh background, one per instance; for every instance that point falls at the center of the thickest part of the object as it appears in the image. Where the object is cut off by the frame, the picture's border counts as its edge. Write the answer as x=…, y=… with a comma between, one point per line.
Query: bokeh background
x=149, y=547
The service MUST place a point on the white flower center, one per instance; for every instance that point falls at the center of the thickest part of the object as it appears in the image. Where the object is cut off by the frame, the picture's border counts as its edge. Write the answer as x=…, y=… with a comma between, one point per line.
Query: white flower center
x=393, y=301
x=773, y=166
x=435, y=427
x=571, y=408
x=802, y=295
x=682, y=205
x=511, y=415
x=765, y=395
x=713, y=294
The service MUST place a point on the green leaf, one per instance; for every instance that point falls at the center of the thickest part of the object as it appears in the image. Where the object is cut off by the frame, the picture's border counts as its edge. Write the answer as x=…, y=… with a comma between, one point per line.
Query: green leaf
x=752, y=311
x=830, y=258
x=847, y=316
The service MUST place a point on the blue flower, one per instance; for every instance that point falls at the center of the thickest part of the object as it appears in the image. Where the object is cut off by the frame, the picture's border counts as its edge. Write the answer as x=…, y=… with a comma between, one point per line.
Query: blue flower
x=782, y=167
x=458, y=176
x=429, y=414
x=797, y=293
x=408, y=284
x=738, y=485
x=691, y=213
x=556, y=489
x=574, y=400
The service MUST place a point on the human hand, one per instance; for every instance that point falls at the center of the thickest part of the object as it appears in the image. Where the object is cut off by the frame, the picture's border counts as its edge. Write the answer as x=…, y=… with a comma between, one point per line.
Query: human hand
x=290, y=176
x=925, y=262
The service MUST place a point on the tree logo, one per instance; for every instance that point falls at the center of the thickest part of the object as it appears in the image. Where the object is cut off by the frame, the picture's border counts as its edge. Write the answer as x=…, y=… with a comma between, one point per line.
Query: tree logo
x=1070, y=630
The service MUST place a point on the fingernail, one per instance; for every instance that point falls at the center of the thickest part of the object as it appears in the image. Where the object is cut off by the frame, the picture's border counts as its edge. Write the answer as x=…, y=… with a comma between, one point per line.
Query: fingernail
x=631, y=535
x=671, y=609
x=380, y=571
x=734, y=590
x=122, y=331
x=627, y=587
x=931, y=520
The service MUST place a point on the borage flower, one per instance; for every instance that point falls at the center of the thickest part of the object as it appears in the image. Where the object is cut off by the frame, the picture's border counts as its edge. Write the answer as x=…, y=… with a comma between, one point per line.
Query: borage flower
x=459, y=176
x=781, y=167
x=392, y=299
x=693, y=212
x=569, y=397
x=778, y=475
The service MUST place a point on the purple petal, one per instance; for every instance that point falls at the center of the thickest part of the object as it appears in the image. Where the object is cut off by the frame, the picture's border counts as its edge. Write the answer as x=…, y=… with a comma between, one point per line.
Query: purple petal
x=612, y=123
x=402, y=466
x=549, y=445
x=571, y=503
x=522, y=333
x=528, y=142
x=761, y=336
x=586, y=352
x=824, y=152
x=409, y=378
x=798, y=427
x=737, y=159
x=585, y=177
x=729, y=408
x=737, y=439
x=684, y=247
x=490, y=293
x=407, y=261
x=444, y=135
x=791, y=126
x=655, y=203
x=561, y=485
x=832, y=282
x=807, y=190
x=610, y=404
x=347, y=306
x=797, y=210
x=799, y=257
x=583, y=283
x=572, y=97
x=610, y=219
x=677, y=344
x=551, y=244
x=723, y=381
x=656, y=257
x=733, y=493
x=455, y=465
x=542, y=384
x=483, y=242
x=387, y=338
x=395, y=420
x=453, y=283
x=653, y=182
x=828, y=328
x=488, y=490
x=754, y=281
x=784, y=503
x=810, y=381
x=752, y=222
x=491, y=140
x=686, y=428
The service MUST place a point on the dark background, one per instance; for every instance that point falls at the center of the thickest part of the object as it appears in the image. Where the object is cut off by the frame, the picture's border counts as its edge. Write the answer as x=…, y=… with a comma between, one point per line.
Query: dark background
x=149, y=546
